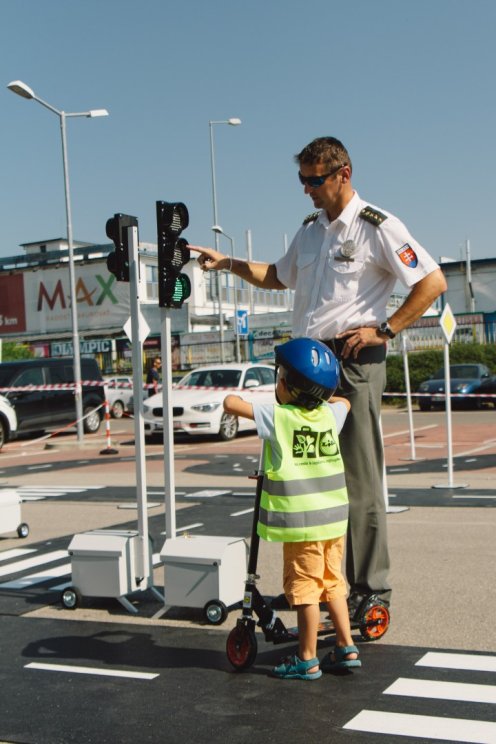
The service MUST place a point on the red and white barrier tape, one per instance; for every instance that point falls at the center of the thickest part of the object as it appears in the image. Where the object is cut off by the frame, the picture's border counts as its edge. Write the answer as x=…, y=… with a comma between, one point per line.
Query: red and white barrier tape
x=208, y=388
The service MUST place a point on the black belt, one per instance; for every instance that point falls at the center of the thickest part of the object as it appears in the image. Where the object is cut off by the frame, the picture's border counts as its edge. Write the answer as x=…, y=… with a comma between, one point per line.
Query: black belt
x=367, y=355
x=335, y=344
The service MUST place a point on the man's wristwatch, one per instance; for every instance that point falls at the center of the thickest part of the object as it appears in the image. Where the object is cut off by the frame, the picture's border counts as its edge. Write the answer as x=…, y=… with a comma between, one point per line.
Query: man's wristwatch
x=386, y=329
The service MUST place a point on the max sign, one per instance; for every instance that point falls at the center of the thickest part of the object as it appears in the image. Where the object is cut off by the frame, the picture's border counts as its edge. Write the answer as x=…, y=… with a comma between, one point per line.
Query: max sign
x=41, y=302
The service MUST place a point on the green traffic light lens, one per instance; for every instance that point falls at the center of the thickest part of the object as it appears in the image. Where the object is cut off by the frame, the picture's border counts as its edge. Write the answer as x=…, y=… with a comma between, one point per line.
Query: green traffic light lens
x=182, y=289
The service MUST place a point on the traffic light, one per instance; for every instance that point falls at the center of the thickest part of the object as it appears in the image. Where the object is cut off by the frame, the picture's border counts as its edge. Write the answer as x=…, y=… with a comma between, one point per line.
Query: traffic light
x=173, y=254
x=118, y=261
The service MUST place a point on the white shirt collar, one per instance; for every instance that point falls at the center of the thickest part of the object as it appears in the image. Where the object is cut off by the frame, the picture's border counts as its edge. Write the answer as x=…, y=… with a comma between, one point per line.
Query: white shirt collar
x=347, y=215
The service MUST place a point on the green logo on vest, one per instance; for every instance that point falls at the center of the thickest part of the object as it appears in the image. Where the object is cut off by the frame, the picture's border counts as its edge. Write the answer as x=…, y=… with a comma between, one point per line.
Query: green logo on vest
x=328, y=446
x=311, y=444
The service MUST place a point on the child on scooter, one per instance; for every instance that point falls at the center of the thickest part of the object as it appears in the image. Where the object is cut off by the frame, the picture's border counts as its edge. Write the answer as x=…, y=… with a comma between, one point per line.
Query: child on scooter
x=304, y=500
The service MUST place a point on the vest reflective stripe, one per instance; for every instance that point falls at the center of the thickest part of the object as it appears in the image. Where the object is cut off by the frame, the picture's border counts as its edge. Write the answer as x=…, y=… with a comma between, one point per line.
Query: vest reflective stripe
x=304, y=519
x=304, y=487
x=304, y=495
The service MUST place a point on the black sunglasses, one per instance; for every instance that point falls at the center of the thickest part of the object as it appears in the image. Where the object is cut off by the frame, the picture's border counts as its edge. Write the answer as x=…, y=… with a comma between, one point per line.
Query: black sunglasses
x=315, y=181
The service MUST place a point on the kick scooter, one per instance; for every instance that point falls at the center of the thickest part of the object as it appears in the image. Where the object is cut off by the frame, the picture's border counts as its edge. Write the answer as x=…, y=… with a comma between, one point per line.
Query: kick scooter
x=371, y=617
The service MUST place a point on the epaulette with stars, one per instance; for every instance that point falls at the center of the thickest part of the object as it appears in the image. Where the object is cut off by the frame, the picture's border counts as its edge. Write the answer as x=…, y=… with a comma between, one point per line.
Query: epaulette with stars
x=310, y=218
x=373, y=216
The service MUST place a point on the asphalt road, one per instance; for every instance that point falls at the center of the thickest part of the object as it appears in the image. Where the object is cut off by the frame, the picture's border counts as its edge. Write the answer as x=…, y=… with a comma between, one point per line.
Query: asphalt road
x=103, y=674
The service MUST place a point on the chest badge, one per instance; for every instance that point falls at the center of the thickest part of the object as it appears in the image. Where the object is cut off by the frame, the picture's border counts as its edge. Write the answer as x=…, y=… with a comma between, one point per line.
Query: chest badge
x=346, y=251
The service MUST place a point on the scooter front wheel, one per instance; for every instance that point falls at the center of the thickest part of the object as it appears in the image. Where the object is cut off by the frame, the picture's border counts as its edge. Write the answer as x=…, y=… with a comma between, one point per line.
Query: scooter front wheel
x=241, y=646
x=374, y=622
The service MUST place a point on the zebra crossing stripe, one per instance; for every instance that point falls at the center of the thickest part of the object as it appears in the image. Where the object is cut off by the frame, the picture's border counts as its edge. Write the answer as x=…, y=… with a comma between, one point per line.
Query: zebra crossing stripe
x=38, y=560
x=426, y=688
x=38, y=578
x=424, y=727
x=469, y=662
x=15, y=553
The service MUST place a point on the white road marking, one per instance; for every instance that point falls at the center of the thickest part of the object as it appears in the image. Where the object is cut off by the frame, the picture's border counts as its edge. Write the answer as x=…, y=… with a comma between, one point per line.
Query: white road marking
x=424, y=727
x=471, y=662
x=32, y=562
x=15, y=553
x=38, y=578
x=187, y=527
x=240, y=513
x=90, y=670
x=426, y=688
x=207, y=493
x=471, y=496
x=39, y=467
x=407, y=431
x=134, y=505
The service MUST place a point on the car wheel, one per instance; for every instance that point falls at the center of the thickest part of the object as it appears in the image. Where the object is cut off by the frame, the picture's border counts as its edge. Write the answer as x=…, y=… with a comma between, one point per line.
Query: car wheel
x=92, y=422
x=424, y=405
x=228, y=427
x=117, y=409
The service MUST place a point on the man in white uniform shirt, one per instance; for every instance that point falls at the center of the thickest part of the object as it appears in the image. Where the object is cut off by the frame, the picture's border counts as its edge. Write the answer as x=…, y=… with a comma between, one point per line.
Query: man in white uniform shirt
x=343, y=264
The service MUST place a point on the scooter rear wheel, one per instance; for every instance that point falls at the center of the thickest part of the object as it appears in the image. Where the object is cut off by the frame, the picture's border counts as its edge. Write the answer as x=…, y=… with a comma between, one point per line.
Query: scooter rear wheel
x=374, y=622
x=241, y=647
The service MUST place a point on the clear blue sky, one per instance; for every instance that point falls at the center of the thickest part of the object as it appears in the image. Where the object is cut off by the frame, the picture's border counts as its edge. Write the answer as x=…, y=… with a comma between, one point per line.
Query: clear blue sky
x=408, y=87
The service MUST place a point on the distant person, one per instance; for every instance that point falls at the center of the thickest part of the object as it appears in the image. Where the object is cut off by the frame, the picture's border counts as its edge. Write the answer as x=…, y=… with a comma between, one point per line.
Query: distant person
x=343, y=265
x=304, y=502
x=153, y=377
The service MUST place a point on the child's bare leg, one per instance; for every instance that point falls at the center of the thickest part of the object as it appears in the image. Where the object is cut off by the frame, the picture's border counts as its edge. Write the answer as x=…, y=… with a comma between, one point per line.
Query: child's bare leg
x=338, y=610
x=308, y=625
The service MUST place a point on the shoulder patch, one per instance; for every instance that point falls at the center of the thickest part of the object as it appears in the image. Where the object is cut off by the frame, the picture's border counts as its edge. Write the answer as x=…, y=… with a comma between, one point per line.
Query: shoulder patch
x=310, y=218
x=373, y=216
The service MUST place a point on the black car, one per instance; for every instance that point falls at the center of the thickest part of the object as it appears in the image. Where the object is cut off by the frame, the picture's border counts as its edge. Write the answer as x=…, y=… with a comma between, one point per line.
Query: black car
x=47, y=405
x=466, y=384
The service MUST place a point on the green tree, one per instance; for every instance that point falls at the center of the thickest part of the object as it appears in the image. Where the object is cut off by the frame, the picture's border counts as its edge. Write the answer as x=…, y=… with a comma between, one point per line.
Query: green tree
x=12, y=350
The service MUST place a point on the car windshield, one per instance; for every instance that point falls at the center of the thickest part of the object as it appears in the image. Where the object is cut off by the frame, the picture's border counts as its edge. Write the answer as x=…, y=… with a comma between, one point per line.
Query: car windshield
x=459, y=371
x=212, y=378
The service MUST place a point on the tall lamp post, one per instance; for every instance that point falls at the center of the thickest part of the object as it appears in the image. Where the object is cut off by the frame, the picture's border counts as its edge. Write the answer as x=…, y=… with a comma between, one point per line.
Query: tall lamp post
x=219, y=231
x=232, y=123
x=23, y=90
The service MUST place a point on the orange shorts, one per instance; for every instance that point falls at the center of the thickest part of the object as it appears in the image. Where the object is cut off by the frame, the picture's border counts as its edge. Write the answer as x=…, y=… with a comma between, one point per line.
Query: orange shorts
x=312, y=571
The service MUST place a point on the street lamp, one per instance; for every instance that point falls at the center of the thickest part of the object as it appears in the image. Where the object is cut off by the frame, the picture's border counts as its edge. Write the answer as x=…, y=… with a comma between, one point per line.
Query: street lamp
x=23, y=90
x=233, y=123
x=219, y=231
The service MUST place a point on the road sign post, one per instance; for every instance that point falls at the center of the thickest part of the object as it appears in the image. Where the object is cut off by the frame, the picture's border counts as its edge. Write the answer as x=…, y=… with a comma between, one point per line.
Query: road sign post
x=447, y=322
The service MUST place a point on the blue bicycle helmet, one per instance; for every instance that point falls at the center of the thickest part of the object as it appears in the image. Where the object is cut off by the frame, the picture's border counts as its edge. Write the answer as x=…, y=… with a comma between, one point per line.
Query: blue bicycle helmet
x=312, y=370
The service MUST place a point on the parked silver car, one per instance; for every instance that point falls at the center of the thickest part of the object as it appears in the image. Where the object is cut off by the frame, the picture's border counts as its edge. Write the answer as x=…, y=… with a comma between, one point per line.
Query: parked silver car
x=197, y=400
x=119, y=393
x=8, y=420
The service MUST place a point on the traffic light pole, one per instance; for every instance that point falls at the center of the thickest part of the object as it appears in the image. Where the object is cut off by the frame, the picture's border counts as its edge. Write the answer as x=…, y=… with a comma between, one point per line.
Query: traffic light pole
x=143, y=559
x=169, y=480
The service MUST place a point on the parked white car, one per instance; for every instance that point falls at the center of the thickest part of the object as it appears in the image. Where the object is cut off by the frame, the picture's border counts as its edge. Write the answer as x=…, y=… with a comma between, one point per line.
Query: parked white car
x=197, y=400
x=119, y=393
x=8, y=420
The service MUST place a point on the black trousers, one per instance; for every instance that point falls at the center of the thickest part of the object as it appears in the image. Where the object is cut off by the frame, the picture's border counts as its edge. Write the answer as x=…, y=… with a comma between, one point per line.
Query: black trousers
x=362, y=383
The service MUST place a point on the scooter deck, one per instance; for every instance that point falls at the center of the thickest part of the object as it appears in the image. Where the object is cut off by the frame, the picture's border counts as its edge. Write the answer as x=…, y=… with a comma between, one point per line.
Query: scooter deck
x=324, y=628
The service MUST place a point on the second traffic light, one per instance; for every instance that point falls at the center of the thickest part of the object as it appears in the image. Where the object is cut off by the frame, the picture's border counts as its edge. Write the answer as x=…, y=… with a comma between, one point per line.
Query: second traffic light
x=118, y=261
x=173, y=253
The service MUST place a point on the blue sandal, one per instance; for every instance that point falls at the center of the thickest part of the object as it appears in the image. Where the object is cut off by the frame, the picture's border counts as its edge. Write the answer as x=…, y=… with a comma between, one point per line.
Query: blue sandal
x=336, y=660
x=295, y=668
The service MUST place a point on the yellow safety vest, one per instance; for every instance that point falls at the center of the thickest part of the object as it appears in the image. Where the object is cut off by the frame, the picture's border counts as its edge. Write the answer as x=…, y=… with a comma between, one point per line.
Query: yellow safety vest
x=304, y=495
